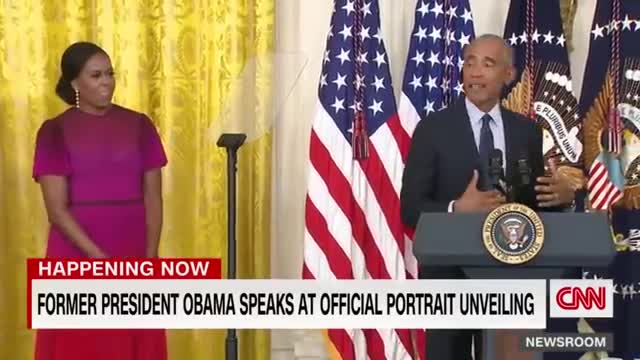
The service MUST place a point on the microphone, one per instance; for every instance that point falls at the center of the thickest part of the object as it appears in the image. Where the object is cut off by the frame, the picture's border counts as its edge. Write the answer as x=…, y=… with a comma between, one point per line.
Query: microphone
x=496, y=174
x=524, y=172
x=523, y=190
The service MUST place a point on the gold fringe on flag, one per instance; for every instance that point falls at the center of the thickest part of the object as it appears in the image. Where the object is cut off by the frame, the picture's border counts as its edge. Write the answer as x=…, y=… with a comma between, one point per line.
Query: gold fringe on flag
x=568, y=13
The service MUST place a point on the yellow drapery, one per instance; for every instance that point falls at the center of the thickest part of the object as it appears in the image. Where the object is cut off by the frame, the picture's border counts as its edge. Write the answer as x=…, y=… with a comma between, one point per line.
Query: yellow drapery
x=176, y=61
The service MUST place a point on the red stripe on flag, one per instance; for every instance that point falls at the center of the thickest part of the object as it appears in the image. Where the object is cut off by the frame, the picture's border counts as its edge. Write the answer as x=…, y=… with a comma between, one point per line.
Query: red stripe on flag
x=317, y=226
x=608, y=198
x=410, y=232
x=389, y=203
x=596, y=174
x=421, y=343
x=383, y=190
x=343, y=343
x=375, y=346
x=405, y=338
x=402, y=138
x=614, y=196
x=338, y=337
x=341, y=191
x=306, y=273
x=601, y=191
x=602, y=194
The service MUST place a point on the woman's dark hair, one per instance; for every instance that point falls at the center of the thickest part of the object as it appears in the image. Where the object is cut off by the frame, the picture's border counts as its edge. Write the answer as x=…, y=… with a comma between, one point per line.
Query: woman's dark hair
x=71, y=64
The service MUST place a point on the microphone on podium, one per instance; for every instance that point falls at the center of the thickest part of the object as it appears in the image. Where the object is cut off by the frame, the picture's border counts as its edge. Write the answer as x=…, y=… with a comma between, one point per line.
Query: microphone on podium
x=524, y=172
x=496, y=173
x=523, y=184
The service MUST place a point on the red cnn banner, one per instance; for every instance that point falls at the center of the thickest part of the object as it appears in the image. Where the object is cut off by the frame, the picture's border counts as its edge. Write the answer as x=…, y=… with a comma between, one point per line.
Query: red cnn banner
x=581, y=298
x=118, y=269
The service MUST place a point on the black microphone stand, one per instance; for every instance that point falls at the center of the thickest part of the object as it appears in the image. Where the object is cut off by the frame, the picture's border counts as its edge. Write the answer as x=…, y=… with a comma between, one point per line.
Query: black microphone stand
x=496, y=173
x=524, y=188
x=232, y=143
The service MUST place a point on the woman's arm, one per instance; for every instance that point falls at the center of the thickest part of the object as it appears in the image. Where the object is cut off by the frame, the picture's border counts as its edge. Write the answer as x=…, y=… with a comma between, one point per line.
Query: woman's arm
x=54, y=192
x=153, y=209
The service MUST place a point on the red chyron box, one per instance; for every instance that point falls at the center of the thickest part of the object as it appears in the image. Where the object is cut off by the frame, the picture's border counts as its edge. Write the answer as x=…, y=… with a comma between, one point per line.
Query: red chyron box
x=581, y=298
x=55, y=270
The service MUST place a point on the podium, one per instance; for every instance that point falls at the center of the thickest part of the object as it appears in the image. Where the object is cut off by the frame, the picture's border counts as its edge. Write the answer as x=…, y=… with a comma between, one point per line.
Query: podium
x=571, y=241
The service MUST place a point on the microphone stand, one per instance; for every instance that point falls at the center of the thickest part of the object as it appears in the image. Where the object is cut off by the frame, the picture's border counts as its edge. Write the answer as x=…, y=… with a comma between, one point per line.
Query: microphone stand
x=511, y=196
x=232, y=143
x=524, y=184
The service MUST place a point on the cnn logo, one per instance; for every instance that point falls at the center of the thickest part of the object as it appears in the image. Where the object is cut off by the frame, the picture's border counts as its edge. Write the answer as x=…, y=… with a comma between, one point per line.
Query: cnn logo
x=581, y=298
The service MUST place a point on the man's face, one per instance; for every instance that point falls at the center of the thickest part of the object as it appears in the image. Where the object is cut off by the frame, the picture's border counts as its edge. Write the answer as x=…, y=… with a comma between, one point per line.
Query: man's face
x=486, y=70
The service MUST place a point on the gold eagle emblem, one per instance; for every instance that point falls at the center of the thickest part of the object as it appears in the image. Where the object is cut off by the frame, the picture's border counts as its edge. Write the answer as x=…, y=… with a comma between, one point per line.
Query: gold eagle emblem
x=513, y=233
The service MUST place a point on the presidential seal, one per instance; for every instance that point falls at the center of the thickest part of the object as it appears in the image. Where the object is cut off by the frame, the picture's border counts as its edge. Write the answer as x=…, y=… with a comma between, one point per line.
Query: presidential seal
x=513, y=234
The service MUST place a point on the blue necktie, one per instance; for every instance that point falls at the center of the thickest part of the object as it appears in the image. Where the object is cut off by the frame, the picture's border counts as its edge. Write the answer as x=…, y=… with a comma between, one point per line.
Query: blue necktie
x=485, y=147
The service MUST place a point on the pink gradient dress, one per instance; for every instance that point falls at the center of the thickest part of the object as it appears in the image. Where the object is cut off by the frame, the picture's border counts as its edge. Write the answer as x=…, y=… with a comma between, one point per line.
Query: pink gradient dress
x=104, y=158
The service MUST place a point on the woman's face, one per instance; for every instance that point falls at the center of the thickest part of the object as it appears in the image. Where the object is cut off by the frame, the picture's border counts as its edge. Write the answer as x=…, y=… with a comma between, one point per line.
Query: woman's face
x=96, y=83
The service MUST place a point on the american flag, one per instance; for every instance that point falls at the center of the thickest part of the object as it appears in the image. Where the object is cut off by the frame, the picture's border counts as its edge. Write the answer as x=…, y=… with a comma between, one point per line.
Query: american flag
x=352, y=215
x=610, y=98
x=432, y=77
x=606, y=182
x=606, y=178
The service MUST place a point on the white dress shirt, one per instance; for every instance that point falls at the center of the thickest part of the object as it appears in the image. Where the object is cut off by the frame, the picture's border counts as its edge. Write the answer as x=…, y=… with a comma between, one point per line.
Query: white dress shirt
x=497, y=129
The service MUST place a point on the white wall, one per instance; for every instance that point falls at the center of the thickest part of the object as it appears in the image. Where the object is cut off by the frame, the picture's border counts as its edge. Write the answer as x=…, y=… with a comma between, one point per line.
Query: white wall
x=302, y=27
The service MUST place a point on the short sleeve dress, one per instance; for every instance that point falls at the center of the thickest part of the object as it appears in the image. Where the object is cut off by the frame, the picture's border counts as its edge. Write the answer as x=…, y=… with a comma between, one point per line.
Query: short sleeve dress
x=103, y=158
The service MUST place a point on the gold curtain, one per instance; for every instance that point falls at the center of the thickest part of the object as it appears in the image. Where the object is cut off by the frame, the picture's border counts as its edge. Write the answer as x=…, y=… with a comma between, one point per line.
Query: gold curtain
x=176, y=61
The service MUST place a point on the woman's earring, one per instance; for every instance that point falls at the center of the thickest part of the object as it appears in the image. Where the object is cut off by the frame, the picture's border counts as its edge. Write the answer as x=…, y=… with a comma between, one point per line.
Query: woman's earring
x=77, y=98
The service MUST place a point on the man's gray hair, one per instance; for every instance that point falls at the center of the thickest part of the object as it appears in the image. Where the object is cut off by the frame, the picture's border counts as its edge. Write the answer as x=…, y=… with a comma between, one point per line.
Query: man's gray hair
x=508, y=49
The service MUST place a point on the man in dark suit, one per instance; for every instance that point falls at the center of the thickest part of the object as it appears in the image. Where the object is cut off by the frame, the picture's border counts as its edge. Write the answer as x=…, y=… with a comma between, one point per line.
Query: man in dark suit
x=447, y=169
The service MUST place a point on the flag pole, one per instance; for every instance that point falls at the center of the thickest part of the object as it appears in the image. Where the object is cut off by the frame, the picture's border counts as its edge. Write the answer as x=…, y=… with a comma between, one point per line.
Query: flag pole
x=232, y=143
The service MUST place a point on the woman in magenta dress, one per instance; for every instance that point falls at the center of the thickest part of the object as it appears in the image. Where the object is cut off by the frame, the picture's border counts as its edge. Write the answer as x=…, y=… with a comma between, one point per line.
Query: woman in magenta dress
x=98, y=165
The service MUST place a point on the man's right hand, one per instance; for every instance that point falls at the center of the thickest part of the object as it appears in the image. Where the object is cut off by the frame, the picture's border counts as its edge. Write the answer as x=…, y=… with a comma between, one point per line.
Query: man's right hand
x=474, y=200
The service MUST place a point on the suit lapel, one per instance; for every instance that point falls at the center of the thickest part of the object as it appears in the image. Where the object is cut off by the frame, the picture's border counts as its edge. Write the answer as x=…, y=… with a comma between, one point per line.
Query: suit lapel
x=510, y=141
x=468, y=142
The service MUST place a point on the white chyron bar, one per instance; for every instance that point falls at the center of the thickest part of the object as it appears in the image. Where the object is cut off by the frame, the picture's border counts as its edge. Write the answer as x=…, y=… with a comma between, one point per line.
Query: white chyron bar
x=171, y=303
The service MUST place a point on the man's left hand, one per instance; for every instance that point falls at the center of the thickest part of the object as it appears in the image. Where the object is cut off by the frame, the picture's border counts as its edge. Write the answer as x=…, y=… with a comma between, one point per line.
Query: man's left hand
x=556, y=189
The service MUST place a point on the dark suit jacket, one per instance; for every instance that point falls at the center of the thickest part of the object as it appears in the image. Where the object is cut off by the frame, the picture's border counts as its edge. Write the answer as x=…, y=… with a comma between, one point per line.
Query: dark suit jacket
x=444, y=154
